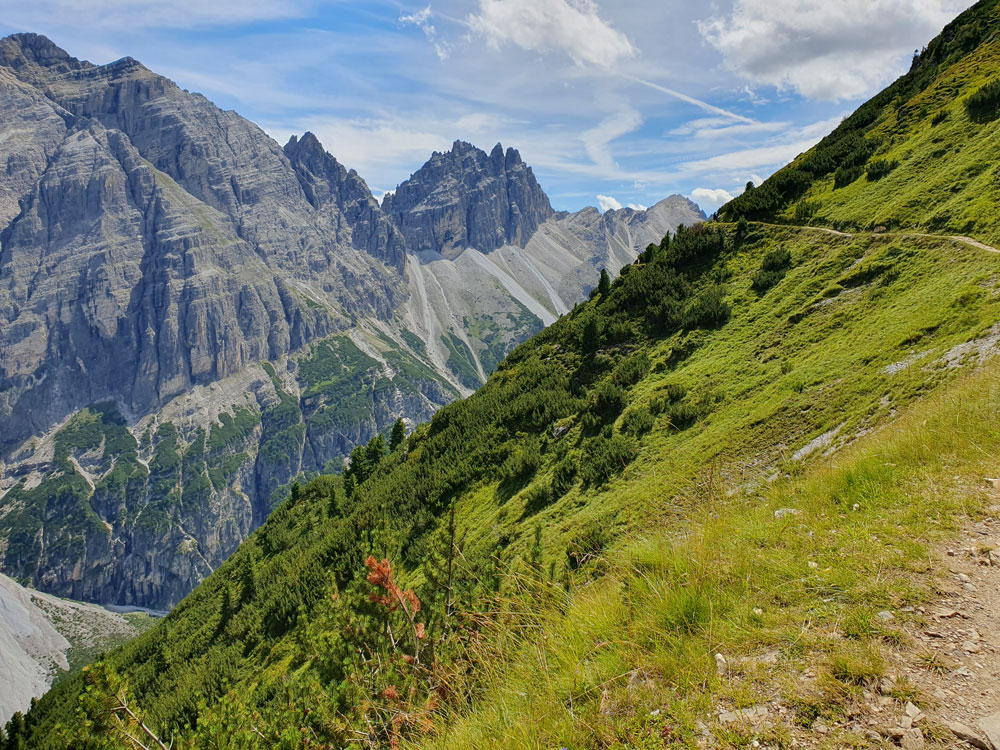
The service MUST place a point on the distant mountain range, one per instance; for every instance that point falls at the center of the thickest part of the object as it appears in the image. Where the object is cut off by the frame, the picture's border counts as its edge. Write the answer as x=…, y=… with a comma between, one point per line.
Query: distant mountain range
x=191, y=315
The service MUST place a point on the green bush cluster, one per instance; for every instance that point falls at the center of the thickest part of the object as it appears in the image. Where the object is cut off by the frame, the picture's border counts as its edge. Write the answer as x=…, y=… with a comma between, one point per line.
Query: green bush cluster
x=772, y=269
x=984, y=104
x=879, y=168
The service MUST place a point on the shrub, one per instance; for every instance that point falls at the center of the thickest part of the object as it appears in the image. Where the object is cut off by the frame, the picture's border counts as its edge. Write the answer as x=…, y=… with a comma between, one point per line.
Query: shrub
x=772, y=270
x=632, y=370
x=708, y=310
x=984, y=104
x=521, y=464
x=605, y=457
x=879, y=168
x=682, y=415
x=939, y=118
x=563, y=477
x=847, y=174
x=590, y=337
x=590, y=422
x=536, y=498
x=608, y=400
x=638, y=421
x=666, y=395
x=695, y=246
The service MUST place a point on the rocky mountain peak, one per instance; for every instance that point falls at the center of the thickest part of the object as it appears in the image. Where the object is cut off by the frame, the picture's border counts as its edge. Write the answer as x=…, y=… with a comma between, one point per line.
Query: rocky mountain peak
x=343, y=198
x=466, y=198
x=18, y=51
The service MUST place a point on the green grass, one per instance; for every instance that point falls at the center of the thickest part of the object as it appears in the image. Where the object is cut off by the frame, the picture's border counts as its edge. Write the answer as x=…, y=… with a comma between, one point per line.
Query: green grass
x=623, y=659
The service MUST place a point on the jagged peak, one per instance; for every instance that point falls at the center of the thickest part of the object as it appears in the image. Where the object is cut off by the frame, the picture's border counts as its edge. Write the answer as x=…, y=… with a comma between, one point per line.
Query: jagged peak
x=306, y=145
x=17, y=50
x=513, y=158
x=310, y=141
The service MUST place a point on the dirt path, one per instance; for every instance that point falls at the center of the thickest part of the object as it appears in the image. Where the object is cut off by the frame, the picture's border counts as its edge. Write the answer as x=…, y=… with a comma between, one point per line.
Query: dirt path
x=961, y=239
x=953, y=657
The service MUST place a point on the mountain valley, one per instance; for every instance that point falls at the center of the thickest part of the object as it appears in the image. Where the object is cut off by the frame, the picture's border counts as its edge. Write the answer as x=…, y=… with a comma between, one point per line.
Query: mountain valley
x=455, y=469
x=195, y=316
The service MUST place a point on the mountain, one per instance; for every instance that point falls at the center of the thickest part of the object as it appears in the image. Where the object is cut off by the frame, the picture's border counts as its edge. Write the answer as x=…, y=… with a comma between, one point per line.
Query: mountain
x=42, y=637
x=717, y=503
x=465, y=198
x=192, y=316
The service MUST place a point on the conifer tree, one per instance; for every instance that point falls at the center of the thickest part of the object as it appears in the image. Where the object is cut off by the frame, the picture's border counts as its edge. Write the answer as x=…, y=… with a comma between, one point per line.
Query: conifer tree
x=604, y=285
x=374, y=453
x=398, y=434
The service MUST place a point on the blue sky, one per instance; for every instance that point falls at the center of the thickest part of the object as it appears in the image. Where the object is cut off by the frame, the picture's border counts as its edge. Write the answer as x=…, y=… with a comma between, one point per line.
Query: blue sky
x=612, y=103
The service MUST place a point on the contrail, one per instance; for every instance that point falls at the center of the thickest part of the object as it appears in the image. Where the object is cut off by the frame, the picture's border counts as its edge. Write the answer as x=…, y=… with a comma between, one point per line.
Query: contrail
x=690, y=99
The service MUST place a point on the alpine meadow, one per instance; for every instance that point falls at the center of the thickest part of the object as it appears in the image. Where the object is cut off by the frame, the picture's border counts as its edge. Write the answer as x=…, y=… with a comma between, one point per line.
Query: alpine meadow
x=453, y=469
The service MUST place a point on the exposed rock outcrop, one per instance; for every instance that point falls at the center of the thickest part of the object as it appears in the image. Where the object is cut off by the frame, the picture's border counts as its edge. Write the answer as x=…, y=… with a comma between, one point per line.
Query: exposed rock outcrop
x=466, y=198
x=192, y=315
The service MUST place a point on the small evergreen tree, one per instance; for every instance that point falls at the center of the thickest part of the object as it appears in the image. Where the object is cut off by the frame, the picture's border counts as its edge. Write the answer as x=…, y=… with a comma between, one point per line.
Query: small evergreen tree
x=604, y=285
x=375, y=452
x=398, y=435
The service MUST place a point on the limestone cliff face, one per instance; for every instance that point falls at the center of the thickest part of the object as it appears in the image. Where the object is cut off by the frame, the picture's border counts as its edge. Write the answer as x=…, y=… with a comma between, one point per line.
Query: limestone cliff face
x=159, y=242
x=344, y=202
x=139, y=514
x=466, y=198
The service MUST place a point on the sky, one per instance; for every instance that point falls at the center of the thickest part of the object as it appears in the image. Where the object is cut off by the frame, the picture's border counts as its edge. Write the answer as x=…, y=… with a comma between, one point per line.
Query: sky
x=612, y=102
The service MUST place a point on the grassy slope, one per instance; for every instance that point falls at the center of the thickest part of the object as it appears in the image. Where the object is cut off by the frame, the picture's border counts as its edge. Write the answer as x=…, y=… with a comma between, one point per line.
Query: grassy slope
x=946, y=179
x=806, y=358
x=791, y=602
x=811, y=354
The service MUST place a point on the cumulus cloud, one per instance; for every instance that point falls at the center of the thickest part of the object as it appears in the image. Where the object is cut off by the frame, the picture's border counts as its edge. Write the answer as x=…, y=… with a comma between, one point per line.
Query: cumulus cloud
x=825, y=50
x=573, y=27
x=607, y=203
x=711, y=198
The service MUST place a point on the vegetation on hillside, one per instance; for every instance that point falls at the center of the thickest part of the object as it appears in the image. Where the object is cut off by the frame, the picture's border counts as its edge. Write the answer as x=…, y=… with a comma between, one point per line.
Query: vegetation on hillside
x=634, y=522
x=919, y=154
x=384, y=606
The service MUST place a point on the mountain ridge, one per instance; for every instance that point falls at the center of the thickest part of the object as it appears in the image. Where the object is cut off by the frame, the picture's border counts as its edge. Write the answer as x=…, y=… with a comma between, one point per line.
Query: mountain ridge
x=193, y=315
x=700, y=508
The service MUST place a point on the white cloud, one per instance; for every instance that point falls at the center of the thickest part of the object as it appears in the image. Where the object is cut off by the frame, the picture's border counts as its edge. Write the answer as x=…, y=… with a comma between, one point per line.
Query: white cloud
x=597, y=140
x=638, y=206
x=145, y=14
x=709, y=198
x=422, y=20
x=718, y=127
x=751, y=158
x=607, y=203
x=825, y=50
x=569, y=26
